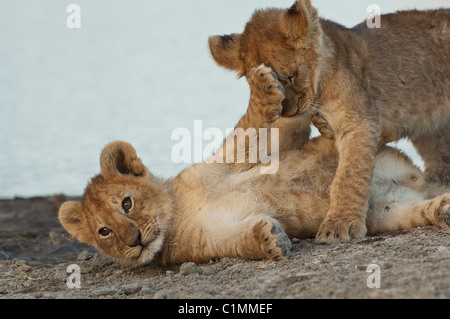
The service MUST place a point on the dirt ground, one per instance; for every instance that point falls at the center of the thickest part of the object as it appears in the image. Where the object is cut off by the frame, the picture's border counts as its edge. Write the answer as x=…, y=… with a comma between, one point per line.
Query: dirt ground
x=35, y=253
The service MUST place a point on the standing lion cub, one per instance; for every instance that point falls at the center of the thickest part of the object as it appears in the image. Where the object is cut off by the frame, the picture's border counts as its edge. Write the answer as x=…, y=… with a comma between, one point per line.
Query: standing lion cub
x=370, y=86
x=218, y=210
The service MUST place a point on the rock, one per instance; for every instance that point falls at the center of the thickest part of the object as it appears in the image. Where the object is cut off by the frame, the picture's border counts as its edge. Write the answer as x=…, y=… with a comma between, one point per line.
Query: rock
x=190, y=268
x=169, y=273
x=25, y=268
x=147, y=290
x=385, y=265
x=131, y=289
x=159, y=295
x=101, y=261
x=84, y=255
x=361, y=267
x=19, y=262
x=103, y=292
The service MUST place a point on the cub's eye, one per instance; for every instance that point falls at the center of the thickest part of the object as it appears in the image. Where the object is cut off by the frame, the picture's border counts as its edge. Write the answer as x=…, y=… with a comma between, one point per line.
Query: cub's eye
x=105, y=231
x=127, y=204
x=291, y=79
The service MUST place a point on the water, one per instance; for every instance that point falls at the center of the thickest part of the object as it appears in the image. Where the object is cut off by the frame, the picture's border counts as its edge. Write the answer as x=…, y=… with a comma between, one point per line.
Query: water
x=135, y=71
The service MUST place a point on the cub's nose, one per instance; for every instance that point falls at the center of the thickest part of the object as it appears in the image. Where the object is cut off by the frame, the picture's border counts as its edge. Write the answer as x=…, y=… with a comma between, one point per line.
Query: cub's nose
x=137, y=240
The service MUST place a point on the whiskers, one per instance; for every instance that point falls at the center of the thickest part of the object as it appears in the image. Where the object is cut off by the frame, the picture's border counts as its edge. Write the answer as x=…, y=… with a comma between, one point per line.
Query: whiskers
x=130, y=254
x=314, y=104
x=148, y=235
x=150, y=232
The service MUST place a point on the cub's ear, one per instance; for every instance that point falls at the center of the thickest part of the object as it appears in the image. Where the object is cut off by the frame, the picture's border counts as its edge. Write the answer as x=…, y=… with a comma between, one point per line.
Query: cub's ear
x=121, y=158
x=71, y=217
x=300, y=21
x=225, y=50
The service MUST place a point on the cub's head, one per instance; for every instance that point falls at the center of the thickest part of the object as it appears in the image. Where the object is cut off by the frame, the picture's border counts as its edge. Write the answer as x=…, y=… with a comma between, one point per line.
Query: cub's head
x=287, y=40
x=125, y=211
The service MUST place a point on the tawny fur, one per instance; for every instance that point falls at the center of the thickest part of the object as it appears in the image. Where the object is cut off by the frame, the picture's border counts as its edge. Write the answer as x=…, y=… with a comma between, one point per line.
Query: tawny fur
x=365, y=87
x=217, y=210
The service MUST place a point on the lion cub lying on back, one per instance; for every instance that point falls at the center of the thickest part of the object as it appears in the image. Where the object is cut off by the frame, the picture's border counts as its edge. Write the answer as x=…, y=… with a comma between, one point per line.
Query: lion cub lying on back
x=216, y=210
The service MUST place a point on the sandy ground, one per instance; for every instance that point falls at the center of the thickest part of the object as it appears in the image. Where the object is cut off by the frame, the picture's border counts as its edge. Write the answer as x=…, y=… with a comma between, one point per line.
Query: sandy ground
x=35, y=253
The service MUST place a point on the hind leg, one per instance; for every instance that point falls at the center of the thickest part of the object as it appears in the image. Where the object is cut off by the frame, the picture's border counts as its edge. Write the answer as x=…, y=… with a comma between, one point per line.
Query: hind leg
x=397, y=216
x=435, y=151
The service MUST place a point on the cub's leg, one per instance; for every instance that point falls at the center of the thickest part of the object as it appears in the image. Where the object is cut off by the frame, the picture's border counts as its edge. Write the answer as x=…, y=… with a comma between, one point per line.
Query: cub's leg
x=266, y=97
x=357, y=139
x=254, y=237
x=435, y=151
x=398, y=216
x=352, y=117
x=264, y=109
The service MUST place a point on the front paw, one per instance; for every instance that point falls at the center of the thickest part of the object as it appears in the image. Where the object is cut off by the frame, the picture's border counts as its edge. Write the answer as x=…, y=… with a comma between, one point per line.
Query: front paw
x=341, y=229
x=322, y=125
x=266, y=92
x=274, y=242
x=441, y=210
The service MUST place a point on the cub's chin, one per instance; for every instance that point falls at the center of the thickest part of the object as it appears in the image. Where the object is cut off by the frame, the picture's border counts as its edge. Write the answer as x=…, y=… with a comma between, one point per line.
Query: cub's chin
x=149, y=251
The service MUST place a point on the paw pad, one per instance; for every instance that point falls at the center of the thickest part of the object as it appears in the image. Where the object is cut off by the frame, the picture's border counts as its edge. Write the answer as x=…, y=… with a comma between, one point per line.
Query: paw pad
x=267, y=93
x=275, y=244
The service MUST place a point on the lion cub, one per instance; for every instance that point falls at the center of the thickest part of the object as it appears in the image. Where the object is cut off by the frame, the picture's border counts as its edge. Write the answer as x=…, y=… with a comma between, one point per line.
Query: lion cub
x=369, y=85
x=217, y=210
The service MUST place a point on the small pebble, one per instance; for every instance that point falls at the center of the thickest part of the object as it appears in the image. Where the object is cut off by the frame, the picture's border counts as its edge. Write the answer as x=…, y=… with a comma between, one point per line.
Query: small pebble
x=25, y=268
x=159, y=295
x=131, y=289
x=103, y=292
x=169, y=273
x=190, y=268
x=84, y=255
x=147, y=290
